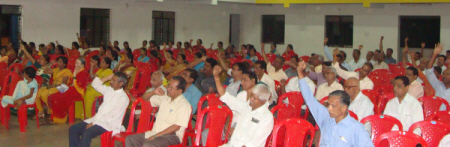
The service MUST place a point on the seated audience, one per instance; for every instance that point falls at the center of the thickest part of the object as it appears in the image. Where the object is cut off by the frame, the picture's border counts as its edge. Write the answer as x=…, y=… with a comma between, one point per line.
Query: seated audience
x=292, y=85
x=252, y=54
x=442, y=88
x=415, y=88
x=331, y=84
x=404, y=107
x=328, y=119
x=172, y=119
x=274, y=71
x=291, y=71
x=91, y=93
x=273, y=49
x=359, y=103
x=357, y=61
x=254, y=108
x=364, y=81
x=25, y=91
x=110, y=115
x=205, y=73
x=260, y=70
x=236, y=73
x=192, y=94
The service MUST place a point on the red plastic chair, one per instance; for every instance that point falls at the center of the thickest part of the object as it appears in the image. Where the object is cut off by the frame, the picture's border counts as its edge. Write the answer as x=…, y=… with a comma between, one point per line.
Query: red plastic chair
x=213, y=100
x=220, y=117
x=295, y=134
x=400, y=139
x=3, y=71
x=353, y=114
x=277, y=87
x=305, y=58
x=441, y=116
x=384, y=99
x=296, y=99
x=9, y=83
x=373, y=96
x=357, y=70
x=17, y=67
x=282, y=112
x=377, y=81
x=432, y=131
x=145, y=122
x=381, y=124
x=142, y=81
x=384, y=89
x=431, y=104
x=233, y=61
x=22, y=112
x=271, y=57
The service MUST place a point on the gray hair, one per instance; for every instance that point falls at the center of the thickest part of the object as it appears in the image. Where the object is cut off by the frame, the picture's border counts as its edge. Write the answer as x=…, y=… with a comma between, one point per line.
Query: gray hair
x=122, y=78
x=262, y=91
x=160, y=73
x=344, y=98
x=320, y=57
x=331, y=68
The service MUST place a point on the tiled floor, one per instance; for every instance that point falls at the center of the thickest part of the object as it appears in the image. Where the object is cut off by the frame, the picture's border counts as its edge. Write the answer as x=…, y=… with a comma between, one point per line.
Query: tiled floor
x=45, y=136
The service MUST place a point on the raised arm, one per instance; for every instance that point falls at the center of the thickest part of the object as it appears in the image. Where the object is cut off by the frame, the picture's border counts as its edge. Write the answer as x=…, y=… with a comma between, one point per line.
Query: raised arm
x=65, y=48
x=263, y=53
x=198, y=61
x=22, y=48
x=97, y=84
x=437, y=50
x=211, y=47
x=360, y=47
x=405, y=54
x=381, y=44
x=319, y=111
x=216, y=72
x=421, y=49
x=222, y=63
x=327, y=52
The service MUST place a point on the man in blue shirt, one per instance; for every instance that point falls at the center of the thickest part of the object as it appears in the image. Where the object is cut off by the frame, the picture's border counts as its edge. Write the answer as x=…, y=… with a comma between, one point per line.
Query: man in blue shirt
x=192, y=94
x=337, y=127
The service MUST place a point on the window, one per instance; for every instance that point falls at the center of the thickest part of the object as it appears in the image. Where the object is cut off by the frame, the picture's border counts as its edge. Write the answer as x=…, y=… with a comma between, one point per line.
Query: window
x=339, y=31
x=10, y=24
x=94, y=25
x=420, y=29
x=273, y=29
x=163, y=26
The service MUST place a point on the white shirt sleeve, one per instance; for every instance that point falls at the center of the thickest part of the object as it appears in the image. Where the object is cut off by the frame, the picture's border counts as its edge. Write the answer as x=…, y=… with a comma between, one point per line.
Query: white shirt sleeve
x=233, y=103
x=344, y=74
x=259, y=138
x=97, y=84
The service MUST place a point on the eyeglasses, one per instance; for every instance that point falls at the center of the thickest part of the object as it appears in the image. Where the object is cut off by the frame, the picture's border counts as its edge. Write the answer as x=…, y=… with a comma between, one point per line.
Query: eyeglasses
x=348, y=87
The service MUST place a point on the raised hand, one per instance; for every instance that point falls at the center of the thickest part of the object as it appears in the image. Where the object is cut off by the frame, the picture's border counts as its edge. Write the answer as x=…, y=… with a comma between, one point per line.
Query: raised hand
x=325, y=41
x=283, y=82
x=301, y=67
x=423, y=44
x=406, y=39
x=360, y=47
x=335, y=51
x=382, y=37
x=57, y=42
x=216, y=71
x=438, y=49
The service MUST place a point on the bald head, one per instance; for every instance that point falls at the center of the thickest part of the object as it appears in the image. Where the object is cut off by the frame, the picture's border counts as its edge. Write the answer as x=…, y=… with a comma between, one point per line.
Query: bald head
x=351, y=86
x=157, y=79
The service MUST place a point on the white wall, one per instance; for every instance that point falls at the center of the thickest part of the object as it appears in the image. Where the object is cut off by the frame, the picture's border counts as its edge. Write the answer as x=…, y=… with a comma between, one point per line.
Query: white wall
x=49, y=20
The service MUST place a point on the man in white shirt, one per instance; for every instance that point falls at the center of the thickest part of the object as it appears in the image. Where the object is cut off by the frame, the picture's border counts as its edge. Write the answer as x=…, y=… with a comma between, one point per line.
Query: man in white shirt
x=260, y=68
x=255, y=122
x=359, y=103
x=292, y=85
x=172, y=119
x=370, y=57
x=364, y=81
x=404, y=107
x=442, y=88
x=331, y=85
x=274, y=71
x=110, y=113
x=415, y=88
x=357, y=62
x=441, y=62
x=380, y=63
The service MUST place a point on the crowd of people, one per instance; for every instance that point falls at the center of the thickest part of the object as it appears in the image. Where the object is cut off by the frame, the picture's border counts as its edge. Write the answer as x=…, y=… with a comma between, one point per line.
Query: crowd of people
x=248, y=81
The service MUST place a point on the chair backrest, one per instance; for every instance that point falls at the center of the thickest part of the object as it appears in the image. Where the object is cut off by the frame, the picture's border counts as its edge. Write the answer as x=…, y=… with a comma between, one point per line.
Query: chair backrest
x=305, y=58
x=323, y=100
x=9, y=83
x=353, y=114
x=284, y=111
x=296, y=99
x=377, y=81
x=3, y=71
x=441, y=116
x=382, y=101
x=212, y=99
x=147, y=116
x=385, y=89
x=431, y=104
x=38, y=80
x=296, y=130
x=373, y=96
x=271, y=57
x=381, y=124
x=431, y=131
x=220, y=121
x=277, y=87
x=142, y=79
x=400, y=139
x=15, y=67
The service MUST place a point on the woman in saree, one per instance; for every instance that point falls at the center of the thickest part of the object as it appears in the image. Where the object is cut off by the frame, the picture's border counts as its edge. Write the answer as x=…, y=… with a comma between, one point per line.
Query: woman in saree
x=63, y=101
x=94, y=66
x=61, y=75
x=91, y=93
x=42, y=64
x=59, y=51
x=126, y=66
x=25, y=91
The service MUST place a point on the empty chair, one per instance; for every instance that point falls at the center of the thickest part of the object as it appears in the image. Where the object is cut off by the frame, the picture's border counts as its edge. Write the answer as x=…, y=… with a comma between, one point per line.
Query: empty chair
x=431, y=104
x=296, y=131
x=220, y=118
x=381, y=124
x=399, y=139
x=432, y=131
x=296, y=99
